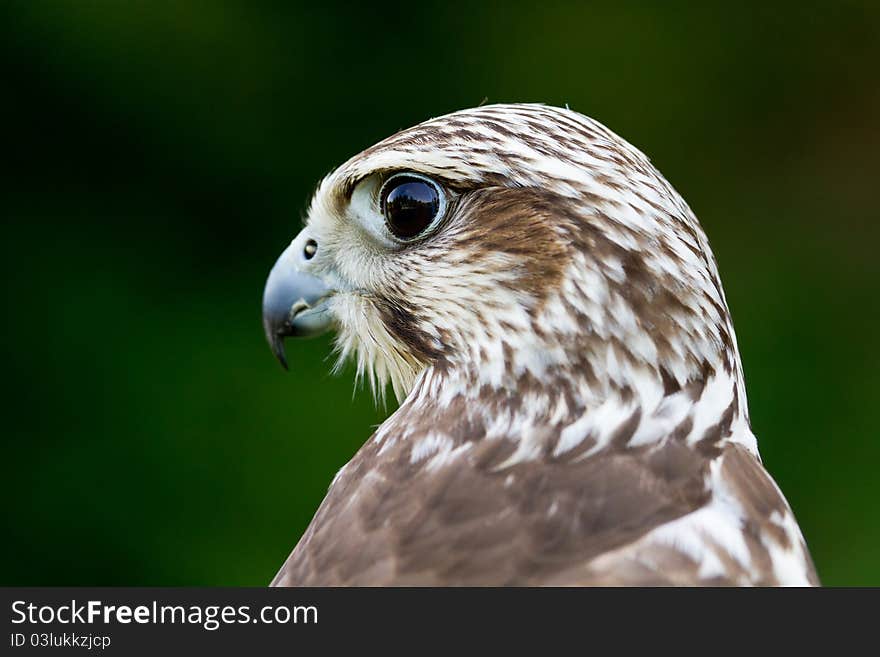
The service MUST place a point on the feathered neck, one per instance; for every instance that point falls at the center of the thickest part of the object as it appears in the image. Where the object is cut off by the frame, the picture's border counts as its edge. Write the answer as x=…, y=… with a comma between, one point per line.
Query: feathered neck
x=567, y=417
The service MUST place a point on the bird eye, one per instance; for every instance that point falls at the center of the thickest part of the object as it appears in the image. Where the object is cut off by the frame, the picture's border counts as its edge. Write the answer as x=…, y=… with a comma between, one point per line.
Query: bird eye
x=410, y=204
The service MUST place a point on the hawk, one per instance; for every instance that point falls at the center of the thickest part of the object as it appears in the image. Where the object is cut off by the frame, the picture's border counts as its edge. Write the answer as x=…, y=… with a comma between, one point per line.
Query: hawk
x=549, y=315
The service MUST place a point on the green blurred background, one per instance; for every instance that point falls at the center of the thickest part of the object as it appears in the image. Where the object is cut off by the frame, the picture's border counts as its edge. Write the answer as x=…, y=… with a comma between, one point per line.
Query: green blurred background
x=159, y=155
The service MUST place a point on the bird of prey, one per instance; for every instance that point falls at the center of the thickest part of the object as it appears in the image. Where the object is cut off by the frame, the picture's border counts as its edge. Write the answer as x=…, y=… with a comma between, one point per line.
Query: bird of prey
x=549, y=314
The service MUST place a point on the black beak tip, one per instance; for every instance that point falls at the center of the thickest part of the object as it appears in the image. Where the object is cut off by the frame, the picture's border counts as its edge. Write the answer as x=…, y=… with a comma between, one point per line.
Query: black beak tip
x=276, y=343
x=278, y=350
x=275, y=338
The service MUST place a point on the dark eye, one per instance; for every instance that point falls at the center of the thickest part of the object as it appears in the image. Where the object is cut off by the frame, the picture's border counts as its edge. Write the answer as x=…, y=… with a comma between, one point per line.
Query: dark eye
x=410, y=205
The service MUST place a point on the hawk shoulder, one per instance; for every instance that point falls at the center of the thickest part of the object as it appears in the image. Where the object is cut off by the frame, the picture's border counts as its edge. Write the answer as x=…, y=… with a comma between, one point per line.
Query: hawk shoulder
x=644, y=516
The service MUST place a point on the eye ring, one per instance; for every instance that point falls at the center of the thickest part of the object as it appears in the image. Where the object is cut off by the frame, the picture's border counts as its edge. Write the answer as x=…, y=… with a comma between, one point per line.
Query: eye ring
x=411, y=205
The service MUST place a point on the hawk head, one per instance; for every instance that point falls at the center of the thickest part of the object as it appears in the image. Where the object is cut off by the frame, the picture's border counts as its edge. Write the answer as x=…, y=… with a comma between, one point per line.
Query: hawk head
x=513, y=251
x=548, y=311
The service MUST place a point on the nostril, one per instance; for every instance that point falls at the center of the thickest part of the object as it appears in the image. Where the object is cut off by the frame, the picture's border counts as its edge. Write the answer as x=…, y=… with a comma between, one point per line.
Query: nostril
x=310, y=249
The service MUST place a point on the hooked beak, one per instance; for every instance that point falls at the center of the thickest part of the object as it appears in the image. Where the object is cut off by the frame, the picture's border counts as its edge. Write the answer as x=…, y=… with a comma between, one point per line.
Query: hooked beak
x=294, y=304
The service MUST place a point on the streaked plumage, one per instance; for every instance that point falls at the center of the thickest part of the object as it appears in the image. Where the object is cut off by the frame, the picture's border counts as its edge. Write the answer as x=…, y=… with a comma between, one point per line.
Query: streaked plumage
x=573, y=408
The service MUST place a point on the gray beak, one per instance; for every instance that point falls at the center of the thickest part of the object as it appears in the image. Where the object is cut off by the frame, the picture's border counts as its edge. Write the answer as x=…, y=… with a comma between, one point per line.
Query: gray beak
x=294, y=303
